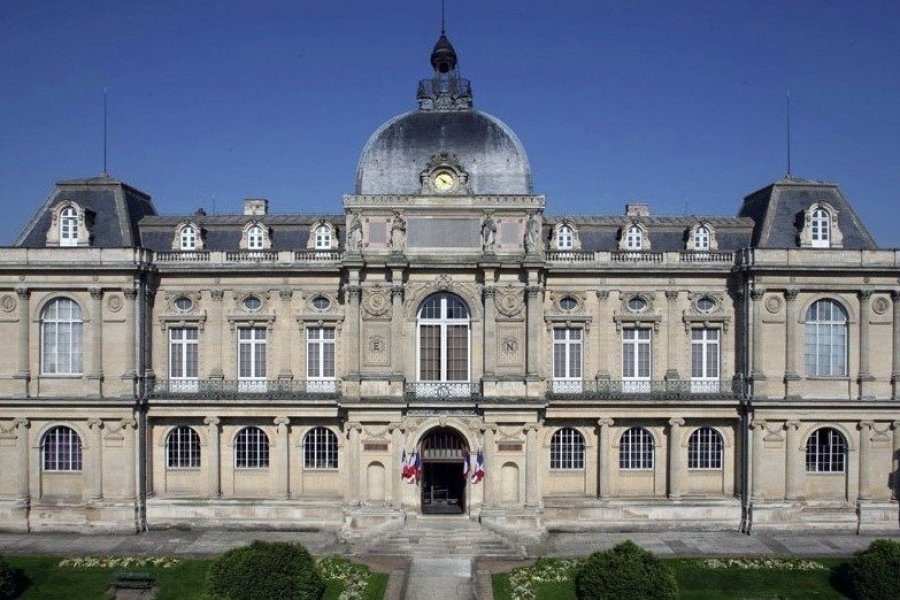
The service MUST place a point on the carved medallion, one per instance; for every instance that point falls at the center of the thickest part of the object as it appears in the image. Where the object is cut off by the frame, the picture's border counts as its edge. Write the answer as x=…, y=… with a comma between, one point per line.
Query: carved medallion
x=880, y=305
x=773, y=304
x=376, y=344
x=509, y=303
x=114, y=304
x=376, y=303
x=8, y=303
x=509, y=345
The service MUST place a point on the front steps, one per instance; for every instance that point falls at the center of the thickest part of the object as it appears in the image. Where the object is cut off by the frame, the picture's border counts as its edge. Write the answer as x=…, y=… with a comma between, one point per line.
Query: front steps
x=440, y=537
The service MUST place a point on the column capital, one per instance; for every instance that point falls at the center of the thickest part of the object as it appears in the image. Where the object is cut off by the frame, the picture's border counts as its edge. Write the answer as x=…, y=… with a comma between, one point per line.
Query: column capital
x=353, y=289
x=895, y=296
x=129, y=293
x=95, y=424
x=792, y=425
x=602, y=294
x=285, y=294
x=282, y=421
x=96, y=293
x=23, y=292
x=397, y=426
x=128, y=424
x=605, y=422
x=216, y=294
x=671, y=294
x=757, y=294
x=790, y=294
x=864, y=294
x=212, y=421
x=895, y=425
x=22, y=423
x=485, y=427
x=353, y=426
x=397, y=290
x=531, y=427
x=866, y=425
x=761, y=425
x=533, y=290
x=676, y=422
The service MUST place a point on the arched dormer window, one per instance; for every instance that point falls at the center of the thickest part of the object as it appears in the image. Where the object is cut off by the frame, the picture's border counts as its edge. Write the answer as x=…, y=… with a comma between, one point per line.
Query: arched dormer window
x=820, y=227
x=69, y=226
x=565, y=238
x=633, y=238
x=188, y=237
x=322, y=236
x=701, y=237
x=255, y=237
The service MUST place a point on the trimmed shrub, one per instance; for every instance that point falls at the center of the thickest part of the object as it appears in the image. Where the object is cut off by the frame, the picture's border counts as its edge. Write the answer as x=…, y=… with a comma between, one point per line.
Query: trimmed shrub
x=9, y=579
x=874, y=573
x=626, y=571
x=265, y=570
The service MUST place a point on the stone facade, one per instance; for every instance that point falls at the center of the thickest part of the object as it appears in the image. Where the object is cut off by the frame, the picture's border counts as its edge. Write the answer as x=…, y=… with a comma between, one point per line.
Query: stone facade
x=613, y=372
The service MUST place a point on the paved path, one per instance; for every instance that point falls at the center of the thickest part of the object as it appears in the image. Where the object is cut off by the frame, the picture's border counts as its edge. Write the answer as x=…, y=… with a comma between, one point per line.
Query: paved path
x=440, y=579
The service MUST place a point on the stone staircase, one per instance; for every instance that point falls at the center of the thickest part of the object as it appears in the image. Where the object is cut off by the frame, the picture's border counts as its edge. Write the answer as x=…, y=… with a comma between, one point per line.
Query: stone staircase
x=441, y=537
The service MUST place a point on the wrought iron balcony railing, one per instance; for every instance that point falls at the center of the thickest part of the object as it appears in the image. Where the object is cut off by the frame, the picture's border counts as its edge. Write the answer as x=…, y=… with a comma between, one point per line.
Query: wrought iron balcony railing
x=442, y=390
x=625, y=388
x=220, y=389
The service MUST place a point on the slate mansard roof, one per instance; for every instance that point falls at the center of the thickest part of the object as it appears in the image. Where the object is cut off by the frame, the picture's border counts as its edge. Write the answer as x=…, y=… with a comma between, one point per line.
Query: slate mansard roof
x=116, y=208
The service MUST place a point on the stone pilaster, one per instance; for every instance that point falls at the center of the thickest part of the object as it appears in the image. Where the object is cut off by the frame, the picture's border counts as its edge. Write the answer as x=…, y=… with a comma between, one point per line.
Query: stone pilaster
x=676, y=460
x=673, y=348
x=129, y=444
x=534, y=309
x=282, y=467
x=353, y=475
x=23, y=464
x=215, y=340
x=757, y=462
x=95, y=479
x=865, y=375
x=23, y=370
x=491, y=474
x=354, y=343
x=792, y=458
x=532, y=454
x=96, y=334
x=490, y=332
x=602, y=366
x=790, y=342
x=896, y=462
x=895, y=345
x=865, y=459
x=284, y=333
x=214, y=460
x=603, y=458
x=396, y=454
x=757, y=373
x=131, y=317
x=397, y=346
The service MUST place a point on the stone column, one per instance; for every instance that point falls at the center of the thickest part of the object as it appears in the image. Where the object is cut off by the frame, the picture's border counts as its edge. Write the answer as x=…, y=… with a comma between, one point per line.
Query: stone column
x=672, y=345
x=283, y=468
x=895, y=346
x=215, y=343
x=792, y=461
x=601, y=352
x=354, y=335
x=676, y=460
x=757, y=373
x=394, y=471
x=491, y=473
x=865, y=458
x=130, y=489
x=397, y=346
x=896, y=459
x=97, y=333
x=284, y=334
x=532, y=491
x=757, y=463
x=131, y=318
x=23, y=489
x=353, y=474
x=214, y=488
x=95, y=481
x=533, y=292
x=790, y=345
x=490, y=333
x=865, y=375
x=603, y=452
x=23, y=370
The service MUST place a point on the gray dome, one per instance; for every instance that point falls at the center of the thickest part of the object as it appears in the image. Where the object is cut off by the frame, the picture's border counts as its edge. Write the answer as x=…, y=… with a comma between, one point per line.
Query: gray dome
x=398, y=152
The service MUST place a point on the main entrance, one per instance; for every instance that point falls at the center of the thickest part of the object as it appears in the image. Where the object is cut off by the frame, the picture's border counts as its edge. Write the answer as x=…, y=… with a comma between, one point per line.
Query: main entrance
x=443, y=451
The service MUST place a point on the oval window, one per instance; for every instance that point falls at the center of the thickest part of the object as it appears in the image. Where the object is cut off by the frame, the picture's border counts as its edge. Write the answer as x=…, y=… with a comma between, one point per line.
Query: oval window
x=706, y=304
x=183, y=303
x=568, y=303
x=321, y=303
x=252, y=303
x=637, y=304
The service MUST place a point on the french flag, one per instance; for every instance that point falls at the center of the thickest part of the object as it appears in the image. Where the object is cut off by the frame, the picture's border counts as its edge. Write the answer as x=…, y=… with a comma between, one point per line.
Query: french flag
x=407, y=468
x=478, y=469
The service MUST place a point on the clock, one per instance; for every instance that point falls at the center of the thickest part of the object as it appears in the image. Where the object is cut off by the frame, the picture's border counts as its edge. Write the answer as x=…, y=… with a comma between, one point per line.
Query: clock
x=443, y=181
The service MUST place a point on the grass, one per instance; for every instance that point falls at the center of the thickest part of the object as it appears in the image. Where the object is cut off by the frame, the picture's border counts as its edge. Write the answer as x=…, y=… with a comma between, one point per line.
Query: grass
x=46, y=580
x=699, y=583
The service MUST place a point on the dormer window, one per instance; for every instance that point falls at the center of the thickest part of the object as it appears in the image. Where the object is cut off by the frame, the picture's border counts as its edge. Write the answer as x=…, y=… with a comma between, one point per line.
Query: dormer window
x=323, y=238
x=188, y=238
x=255, y=238
x=565, y=238
x=634, y=238
x=68, y=227
x=701, y=239
x=820, y=228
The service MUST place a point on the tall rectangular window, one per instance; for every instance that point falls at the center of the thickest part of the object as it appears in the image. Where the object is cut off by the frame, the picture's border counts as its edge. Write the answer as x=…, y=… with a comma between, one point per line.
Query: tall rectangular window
x=636, y=360
x=252, y=359
x=183, y=359
x=705, y=360
x=320, y=358
x=567, y=357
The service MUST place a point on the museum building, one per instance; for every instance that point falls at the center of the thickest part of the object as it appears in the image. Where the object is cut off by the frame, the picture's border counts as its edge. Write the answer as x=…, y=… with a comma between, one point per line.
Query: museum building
x=341, y=371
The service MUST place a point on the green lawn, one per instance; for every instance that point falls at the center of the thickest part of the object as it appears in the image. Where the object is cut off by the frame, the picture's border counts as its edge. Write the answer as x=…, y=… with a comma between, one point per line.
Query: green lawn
x=184, y=581
x=698, y=583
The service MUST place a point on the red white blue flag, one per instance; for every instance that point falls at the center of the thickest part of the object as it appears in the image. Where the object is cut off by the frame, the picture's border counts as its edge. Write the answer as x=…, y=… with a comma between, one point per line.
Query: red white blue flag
x=477, y=470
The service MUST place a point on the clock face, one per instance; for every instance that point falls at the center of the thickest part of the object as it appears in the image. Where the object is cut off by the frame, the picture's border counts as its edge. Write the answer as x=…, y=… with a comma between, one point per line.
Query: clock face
x=444, y=180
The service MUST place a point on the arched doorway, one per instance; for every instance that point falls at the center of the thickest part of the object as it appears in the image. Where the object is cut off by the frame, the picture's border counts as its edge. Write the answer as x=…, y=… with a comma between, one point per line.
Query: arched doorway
x=443, y=451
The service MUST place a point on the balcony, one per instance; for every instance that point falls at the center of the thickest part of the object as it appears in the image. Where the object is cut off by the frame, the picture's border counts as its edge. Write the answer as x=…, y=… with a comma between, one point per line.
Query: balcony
x=443, y=390
x=223, y=389
x=251, y=257
x=624, y=259
x=676, y=389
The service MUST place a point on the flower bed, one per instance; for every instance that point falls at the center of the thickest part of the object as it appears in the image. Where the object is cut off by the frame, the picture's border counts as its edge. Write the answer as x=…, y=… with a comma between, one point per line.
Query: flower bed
x=522, y=580
x=782, y=564
x=354, y=577
x=119, y=562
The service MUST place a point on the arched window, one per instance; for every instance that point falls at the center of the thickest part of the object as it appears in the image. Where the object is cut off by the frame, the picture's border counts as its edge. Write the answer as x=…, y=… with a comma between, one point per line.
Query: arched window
x=567, y=449
x=188, y=238
x=826, y=451
x=255, y=238
x=636, y=450
x=183, y=448
x=323, y=237
x=443, y=325
x=634, y=238
x=68, y=227
x=61, y=450
x=701, y=238
x=320, y=449
x=826, y=339
x=705, y=449
x=820, y=228
x=565, y=238
x=61, y=338
x=251, y=449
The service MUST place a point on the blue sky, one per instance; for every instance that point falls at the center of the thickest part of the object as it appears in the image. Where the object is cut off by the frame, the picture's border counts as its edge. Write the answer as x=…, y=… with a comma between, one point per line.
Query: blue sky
x=679, y=104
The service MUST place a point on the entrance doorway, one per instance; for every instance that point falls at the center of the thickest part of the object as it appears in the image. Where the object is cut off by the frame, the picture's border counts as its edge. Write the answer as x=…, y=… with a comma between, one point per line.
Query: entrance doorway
x=443, y=485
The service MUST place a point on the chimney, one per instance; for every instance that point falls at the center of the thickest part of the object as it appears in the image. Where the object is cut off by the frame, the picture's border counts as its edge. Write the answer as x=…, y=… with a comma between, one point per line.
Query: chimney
x=637, y=209
x=257, y=207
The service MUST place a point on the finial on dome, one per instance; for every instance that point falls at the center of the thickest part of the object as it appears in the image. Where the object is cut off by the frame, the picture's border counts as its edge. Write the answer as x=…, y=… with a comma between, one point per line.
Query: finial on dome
x=446, y=90
x=443, y=57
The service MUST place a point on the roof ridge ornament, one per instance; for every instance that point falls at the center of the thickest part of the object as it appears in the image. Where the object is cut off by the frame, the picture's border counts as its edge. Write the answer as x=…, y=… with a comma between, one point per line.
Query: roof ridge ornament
x=446, y=90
